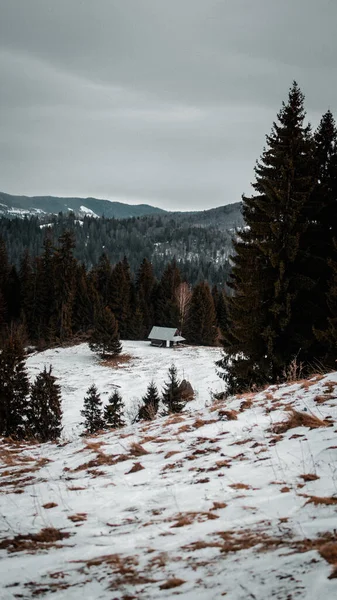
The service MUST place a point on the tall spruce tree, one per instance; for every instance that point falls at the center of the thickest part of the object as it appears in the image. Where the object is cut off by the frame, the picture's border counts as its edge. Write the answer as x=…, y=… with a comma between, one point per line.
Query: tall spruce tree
x=45, y=411
x=120, y=296
x=114, y=412
x=104, y=338
x=269, y=314
x=325, y=250
x=14, y=385
x=64, y=272
x=92, y=411
x=148, y=410
x=200, y=325
x=164, y=297
x=171, y=397
x=145, y=282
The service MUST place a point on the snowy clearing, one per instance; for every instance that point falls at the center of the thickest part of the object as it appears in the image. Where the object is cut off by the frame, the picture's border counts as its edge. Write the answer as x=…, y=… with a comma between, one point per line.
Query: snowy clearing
x=77, y=368
x=236, y=499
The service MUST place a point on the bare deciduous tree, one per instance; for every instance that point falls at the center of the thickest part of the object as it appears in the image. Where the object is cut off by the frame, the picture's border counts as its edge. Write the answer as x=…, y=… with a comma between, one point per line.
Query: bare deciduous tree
x=183, y=297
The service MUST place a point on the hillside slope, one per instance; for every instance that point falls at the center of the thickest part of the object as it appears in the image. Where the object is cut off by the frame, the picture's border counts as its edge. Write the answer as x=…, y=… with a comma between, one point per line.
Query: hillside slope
x=236, y=499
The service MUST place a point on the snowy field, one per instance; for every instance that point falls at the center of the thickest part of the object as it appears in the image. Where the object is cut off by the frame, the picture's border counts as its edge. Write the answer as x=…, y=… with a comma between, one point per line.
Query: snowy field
x=234, y=499
x=77, y=368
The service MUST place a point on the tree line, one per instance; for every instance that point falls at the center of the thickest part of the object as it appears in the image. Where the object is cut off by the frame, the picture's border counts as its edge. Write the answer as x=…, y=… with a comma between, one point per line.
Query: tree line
x=55, y=298
x=282, y=313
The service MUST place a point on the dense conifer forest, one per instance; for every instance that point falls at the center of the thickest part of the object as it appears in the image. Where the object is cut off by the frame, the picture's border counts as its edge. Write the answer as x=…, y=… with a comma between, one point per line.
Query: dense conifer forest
x=200, y=242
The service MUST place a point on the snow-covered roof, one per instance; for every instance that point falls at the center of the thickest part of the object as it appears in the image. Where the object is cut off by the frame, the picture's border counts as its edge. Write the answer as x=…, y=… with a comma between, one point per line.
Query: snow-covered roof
x=170, y=334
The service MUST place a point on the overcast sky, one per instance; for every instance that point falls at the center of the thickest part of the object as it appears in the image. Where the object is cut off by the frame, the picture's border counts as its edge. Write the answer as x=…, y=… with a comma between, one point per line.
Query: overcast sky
x=159, y=101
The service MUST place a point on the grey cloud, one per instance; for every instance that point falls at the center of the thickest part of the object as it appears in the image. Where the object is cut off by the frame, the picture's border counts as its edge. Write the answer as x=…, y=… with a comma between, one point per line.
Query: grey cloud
x=146, y=100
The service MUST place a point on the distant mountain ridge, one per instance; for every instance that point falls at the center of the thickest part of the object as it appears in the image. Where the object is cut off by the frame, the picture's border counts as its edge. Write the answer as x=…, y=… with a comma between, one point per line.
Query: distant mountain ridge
x=25, y=205
x=223, y=217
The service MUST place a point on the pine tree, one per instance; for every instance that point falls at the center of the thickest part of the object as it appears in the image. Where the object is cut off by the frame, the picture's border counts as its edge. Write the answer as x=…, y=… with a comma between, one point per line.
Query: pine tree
x=45, y=412
x=171, y=395
x=149, y=408
x=92, y=411
x=14, y=385
x=200, y=325
x=269, y=314
x=114, y=412
x=105, y=337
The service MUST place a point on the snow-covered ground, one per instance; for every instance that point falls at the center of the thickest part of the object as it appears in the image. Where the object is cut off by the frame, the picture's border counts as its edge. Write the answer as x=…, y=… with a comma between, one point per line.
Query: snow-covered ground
x=77, y=368
x=220, y=501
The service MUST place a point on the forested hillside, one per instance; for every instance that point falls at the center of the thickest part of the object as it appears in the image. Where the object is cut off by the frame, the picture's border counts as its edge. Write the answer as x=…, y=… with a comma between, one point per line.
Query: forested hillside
x=15, y=205
x=200, y=241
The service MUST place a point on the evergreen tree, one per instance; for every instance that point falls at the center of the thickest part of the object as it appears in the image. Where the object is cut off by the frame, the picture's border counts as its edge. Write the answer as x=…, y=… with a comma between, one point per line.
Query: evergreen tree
x=102, y=276
x=145, y=283
x=45, y=412
x=221, y=312
x=114, y=411
x=14, y=385
x=149, y=408
x=171, y=397
x=165, y=297
x=64, y=272
x=269, y=314
x=324, y=224
x=105, y=337
x=200, y=326
x=28, y=295
x=120, y=296
x=92, y=411
x=46, y=287
x=4, y=274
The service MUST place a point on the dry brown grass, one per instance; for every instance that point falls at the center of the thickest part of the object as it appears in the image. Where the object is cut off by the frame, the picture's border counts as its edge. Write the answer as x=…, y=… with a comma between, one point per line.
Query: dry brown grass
x=321, y=399
x=245, y=405
x=218, y=505
x=171, y=583
x=78, y=518
x=309, y=477
x=101, y=459
x=321, y=500
x=136, y=467
x=171, y=453
x=173, y=419
x=183, y=519
x=117, y=361
x=49, y=505
x=299, y=419
x=228, y=415
x=240, y=486
x=242, y=442
x=202, y=422
x=34, y=542
x=137, y=450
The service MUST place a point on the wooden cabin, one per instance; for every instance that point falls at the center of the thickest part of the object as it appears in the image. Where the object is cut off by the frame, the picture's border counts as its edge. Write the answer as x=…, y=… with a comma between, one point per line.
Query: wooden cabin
x=165, y=337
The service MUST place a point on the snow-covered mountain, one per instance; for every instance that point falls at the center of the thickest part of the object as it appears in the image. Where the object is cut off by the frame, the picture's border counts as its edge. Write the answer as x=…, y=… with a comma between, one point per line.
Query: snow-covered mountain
x=24, y=205
x=232, y=498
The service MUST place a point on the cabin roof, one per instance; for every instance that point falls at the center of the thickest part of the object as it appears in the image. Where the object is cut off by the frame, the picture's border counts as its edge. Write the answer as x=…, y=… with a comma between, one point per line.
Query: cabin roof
x=170, y=334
